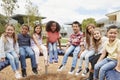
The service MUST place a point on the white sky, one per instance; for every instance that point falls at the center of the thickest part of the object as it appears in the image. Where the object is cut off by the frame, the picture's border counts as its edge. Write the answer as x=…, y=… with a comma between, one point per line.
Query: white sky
x=64, y=11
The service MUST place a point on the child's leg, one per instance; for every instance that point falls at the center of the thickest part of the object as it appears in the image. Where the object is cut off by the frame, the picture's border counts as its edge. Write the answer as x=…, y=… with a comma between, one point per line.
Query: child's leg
x=32, y=56
x=69, y=50
x=98, y=66
x=16, y=59
x=88, y=54
x=22, y=57
x=37, y=52
x=50, y=46
x=12, y=61
x=81, y=58
x=55, y=52
x=108, y=66
x=75, y=56
x=45, y=54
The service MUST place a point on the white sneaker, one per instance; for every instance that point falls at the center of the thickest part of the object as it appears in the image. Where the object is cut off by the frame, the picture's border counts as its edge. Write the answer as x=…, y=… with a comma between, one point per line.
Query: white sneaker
x=17, y=75
x=61, y=68
x=72, y=70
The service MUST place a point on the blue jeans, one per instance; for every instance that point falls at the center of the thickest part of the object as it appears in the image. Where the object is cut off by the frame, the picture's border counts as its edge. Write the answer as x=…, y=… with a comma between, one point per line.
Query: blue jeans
x=27, y=51
x=76, y=50
x=53, y=52
x=13, y=59
x=86, y=54
x=102, y=67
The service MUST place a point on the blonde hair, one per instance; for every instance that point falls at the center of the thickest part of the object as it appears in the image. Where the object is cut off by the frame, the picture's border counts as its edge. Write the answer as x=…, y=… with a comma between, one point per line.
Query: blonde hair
x=96, y=43
x=88, y=34
x=4, y=35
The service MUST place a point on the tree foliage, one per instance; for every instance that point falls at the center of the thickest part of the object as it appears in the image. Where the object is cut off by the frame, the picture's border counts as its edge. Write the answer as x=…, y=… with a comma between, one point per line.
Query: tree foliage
x=87, y=21
x=32, y=13
x=8, y=7
x=2, y=23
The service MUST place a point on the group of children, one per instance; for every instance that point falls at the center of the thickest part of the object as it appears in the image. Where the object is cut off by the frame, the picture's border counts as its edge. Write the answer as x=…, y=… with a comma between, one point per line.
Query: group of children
x=102, y=52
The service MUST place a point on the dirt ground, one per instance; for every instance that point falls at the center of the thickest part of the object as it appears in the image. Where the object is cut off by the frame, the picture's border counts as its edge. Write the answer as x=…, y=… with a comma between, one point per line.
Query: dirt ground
x=8, y=74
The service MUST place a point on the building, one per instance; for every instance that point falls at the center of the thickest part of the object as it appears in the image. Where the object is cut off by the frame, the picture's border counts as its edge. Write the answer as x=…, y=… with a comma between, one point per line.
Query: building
x=112, y=19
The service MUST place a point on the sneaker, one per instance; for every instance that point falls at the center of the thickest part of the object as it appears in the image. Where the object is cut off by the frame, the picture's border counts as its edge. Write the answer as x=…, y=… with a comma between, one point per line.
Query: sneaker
x=61, y=68
x=17, y=75
x=35, y=70
x=72, y=70
x=78, y=71
x=85, y=72
x=24, y=73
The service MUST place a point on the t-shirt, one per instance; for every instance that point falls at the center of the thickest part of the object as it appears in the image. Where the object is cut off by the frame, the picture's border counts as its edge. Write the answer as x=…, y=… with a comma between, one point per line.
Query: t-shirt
x=112, y=49
x=23, y=40
x=53, y=36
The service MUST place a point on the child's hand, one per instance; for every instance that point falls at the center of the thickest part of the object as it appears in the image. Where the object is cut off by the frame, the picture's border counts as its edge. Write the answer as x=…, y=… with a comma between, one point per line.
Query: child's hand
x=40, y=49
x=2, y=59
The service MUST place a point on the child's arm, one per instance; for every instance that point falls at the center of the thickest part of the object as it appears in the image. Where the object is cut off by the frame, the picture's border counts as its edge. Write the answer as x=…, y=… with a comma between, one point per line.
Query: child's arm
x=82, y=49
x=102, y=55
x=37, y=43
x=118, y=63
x=118, y=59
x=2, y=52
x=59, y=42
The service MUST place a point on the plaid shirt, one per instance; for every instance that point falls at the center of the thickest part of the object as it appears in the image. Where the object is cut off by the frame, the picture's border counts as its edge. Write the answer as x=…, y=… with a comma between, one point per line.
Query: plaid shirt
x=76, y=39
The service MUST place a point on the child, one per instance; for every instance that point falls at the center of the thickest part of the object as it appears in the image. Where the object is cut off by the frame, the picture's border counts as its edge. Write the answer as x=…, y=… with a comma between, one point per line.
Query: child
x=89, y=50
x=37, y=46
x=53, y=36
x=9, y=48
x=98, y=43
x=73, y=45
x=112, y=47
x=26, y=50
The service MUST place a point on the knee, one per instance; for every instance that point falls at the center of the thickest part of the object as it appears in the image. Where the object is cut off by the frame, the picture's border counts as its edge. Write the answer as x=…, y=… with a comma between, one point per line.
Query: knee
x=96, y=67
x=11, y=58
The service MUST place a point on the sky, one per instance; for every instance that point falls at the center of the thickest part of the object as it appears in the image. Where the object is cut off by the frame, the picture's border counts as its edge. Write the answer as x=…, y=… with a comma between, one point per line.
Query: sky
x=65, y=11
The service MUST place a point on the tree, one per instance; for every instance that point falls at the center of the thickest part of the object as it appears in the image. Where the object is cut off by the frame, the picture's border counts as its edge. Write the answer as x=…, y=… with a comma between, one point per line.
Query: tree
x=87, y=21
x=8, y=7
x=2, y=23
x=32, y=13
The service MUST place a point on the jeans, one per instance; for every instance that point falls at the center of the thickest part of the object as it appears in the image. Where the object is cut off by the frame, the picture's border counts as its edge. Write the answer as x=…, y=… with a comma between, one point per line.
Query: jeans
x=27, y=51
x=86, y=54
x=53, y=52
x=37, y=52
x=13, y=59
x=102, y=67
x=76, y=50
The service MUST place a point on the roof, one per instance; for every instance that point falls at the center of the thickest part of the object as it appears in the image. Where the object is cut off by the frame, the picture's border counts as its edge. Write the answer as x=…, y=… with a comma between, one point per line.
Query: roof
x=20, y=19
x=113, y=13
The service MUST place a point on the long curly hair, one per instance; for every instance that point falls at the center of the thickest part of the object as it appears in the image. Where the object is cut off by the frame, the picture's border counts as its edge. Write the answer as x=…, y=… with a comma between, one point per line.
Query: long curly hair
x=96, y=43
x=49, y=24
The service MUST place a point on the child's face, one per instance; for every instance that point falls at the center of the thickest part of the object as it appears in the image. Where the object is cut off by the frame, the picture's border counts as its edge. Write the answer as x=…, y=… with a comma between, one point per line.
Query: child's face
x=38, y=29
x=9, y=31
x=53, y=27
x=90, y=29
x=76, y=28
x=24, y=30
x=112, y=34
x=96, y=35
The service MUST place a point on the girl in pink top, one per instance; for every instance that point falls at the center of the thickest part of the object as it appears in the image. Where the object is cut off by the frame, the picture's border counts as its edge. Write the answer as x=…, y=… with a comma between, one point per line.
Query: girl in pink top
x=53, y=36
